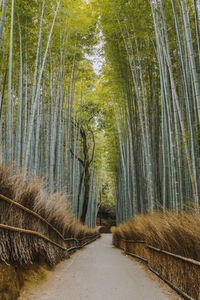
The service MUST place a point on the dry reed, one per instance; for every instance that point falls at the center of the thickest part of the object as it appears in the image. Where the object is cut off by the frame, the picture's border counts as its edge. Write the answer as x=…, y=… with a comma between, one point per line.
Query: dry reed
x=22, y=248
x=177, y=233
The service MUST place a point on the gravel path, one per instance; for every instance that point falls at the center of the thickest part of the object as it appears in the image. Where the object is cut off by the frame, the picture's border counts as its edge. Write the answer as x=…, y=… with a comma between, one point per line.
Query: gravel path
x=100, y=272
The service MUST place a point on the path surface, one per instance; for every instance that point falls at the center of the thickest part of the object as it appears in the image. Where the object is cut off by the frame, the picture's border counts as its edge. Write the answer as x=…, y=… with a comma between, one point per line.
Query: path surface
x=100, y=272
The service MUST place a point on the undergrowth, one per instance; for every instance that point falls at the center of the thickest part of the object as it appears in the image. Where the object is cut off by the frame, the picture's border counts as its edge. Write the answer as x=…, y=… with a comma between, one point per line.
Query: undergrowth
x=178, y=233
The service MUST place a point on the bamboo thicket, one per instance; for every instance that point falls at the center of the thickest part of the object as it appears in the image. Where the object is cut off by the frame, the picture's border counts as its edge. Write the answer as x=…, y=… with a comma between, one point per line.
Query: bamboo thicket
x=40, y=82
x=154, y=53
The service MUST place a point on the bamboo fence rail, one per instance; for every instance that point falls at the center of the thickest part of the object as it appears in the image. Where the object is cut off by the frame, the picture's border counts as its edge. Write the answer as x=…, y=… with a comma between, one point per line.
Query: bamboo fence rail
x=14, y=203
x=188, y=260
x=21, y=230
x=180, y=292
x=78, y=242
x=123, y=245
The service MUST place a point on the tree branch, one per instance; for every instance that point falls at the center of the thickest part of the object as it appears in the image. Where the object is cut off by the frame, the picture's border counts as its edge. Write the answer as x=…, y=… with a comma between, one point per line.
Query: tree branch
x=79, y=159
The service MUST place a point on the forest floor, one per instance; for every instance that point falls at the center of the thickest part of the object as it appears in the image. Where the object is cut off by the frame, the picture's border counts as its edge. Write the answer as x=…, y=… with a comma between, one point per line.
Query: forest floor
x=100, y=271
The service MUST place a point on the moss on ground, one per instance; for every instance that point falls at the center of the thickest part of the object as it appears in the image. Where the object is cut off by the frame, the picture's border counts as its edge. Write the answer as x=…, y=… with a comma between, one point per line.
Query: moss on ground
x=12, y=279
x=11, y=282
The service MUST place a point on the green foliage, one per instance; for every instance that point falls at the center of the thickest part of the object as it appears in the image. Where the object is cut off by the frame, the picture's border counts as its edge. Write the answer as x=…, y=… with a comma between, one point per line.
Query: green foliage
x=129, y=111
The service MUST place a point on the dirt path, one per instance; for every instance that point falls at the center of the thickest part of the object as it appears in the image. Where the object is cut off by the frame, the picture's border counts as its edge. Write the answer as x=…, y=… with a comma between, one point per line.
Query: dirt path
x=100, y=272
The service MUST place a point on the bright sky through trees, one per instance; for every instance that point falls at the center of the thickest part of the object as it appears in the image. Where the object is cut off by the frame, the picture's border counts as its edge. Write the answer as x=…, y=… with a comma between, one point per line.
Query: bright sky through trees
x=97, y=57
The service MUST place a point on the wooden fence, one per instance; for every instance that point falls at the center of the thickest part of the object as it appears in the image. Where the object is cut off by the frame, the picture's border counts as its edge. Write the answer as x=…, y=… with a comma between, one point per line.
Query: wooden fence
x=49, y=234
x=181, y=273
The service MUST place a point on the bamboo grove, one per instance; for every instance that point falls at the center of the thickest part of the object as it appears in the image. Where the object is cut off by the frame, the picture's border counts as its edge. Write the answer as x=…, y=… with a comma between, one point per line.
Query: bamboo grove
x=45, y=87
x=134, y=128
x=153, y=60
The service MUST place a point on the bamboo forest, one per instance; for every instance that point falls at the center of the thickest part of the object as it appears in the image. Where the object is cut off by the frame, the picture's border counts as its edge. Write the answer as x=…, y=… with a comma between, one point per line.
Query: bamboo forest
x=100, y=127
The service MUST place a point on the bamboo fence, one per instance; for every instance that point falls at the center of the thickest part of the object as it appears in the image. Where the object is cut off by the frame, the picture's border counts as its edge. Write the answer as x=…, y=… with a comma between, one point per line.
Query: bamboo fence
x=179, y=272
x=67, y=245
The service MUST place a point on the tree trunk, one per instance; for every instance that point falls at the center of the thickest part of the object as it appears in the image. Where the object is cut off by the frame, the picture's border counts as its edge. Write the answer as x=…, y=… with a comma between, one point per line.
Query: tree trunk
x=86, y=193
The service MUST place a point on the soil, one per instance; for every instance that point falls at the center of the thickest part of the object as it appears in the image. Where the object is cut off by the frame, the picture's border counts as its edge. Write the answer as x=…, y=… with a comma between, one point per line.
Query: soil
x=100, y=271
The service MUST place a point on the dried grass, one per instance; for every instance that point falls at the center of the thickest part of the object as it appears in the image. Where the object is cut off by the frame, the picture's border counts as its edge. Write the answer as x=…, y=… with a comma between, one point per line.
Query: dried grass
x=177, y=233
x=23, y=248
